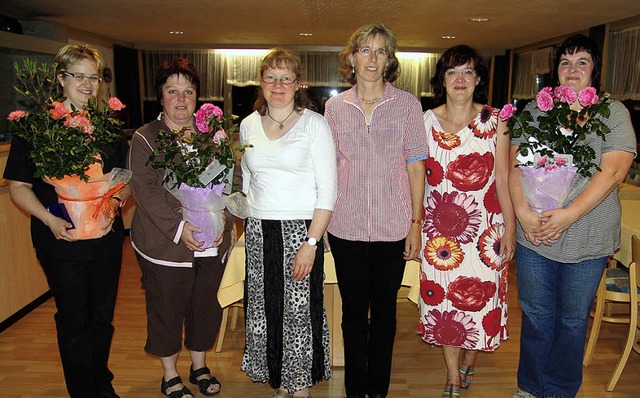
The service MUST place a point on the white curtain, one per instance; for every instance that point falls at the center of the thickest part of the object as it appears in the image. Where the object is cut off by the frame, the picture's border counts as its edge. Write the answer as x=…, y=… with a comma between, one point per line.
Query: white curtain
x=242, y=67
x=524, y=83
x=541, y=61
x=623, y=73
x=208, y=63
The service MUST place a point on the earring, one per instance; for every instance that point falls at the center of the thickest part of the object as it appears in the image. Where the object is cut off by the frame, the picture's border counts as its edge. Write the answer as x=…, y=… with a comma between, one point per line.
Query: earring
x=353, y=70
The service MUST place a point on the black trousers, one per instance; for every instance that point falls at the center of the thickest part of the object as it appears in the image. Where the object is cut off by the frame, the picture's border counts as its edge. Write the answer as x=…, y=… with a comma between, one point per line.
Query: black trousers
x=369, y=277
x=85, y=296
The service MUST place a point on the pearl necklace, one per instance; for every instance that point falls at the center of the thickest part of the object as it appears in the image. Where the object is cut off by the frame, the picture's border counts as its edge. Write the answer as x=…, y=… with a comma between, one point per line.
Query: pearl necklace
x=373, y=101
x=283, y=120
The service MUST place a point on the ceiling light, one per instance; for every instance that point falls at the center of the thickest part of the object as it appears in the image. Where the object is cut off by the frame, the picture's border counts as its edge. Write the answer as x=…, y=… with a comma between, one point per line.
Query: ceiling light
x=176, y=32
x=448, y=37
x=305, y=34
x=479, y=19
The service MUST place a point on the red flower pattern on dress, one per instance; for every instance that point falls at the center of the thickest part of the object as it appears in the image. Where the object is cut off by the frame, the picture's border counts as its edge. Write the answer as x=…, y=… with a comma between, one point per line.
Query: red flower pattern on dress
x=491, y=202
x=469, y=293
x=454, y=215
x=450, y=328
x=470, y=172
x=492, y=322
x=434, y=172
x=445, y=140
x=443, y=253
x=483, y=125
x=430, y=291
x=489, y=246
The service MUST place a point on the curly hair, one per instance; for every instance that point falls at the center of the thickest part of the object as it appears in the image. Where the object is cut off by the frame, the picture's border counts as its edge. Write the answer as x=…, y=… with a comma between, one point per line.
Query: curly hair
x=456, y=56
x=279, y=58
x=361, y=36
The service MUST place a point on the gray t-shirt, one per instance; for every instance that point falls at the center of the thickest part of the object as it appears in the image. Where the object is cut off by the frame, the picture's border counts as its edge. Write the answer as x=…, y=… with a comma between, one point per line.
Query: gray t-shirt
x=597, y=233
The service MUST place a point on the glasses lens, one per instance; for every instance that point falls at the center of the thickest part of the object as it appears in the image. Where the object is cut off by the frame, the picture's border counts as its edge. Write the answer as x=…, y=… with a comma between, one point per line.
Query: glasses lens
x=287, y=80
x=381, y=53
x=366, y=51
x=269, y=79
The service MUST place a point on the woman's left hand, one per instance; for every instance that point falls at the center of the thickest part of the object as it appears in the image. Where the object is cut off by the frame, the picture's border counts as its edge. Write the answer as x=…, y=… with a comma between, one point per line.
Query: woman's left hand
x=303, y=261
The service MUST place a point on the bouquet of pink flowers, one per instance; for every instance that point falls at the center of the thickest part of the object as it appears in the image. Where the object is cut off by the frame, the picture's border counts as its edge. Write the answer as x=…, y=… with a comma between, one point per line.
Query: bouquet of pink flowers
x=556, y=139
x=199, y=167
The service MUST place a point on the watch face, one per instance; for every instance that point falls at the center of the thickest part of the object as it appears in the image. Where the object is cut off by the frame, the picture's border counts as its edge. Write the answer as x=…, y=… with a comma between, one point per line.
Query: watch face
x=311, y=241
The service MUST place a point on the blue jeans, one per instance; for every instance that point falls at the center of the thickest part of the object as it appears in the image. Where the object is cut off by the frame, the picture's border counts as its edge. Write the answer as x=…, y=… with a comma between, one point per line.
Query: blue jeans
x=556, y=299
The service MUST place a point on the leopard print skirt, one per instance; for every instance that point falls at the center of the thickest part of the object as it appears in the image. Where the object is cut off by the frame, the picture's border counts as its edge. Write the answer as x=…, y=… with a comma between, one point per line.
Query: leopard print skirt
x=287, y=335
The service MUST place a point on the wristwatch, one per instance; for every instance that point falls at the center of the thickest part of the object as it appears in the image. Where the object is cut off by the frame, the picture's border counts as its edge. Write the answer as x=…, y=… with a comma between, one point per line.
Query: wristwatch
x=311, y=240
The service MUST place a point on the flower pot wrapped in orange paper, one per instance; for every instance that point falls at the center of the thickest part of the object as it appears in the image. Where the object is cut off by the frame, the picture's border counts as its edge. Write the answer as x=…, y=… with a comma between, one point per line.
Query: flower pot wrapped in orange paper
x=89, y=202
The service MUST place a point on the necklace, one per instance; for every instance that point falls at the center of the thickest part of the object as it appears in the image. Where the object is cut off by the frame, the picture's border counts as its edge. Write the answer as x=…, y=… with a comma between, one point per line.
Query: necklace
x=283, y=120
x=373, y=101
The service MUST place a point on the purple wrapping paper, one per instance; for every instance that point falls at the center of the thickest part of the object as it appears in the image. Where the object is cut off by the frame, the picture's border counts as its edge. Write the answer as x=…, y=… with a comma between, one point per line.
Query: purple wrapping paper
x=203, y=208
x=546, y=189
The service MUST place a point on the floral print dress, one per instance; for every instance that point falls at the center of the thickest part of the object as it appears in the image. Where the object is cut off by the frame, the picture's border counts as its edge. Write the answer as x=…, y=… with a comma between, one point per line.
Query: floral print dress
x=463, y=284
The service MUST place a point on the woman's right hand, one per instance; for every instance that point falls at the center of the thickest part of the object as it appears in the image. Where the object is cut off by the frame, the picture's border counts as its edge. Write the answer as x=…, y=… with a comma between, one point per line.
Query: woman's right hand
x=187, y=237
x=58, y=227
x=530, y=222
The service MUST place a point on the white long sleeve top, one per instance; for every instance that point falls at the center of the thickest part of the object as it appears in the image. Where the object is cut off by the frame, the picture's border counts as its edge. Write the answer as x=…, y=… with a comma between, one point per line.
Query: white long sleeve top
x=287, y=178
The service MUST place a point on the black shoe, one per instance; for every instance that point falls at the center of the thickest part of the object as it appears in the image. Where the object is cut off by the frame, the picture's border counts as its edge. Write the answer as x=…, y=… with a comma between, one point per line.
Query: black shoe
x=204, y=383
x=165, y=385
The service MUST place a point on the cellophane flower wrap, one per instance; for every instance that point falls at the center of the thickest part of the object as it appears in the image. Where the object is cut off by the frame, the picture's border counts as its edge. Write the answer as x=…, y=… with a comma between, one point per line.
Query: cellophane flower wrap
x=68, y=147
x=198, y=167
x=555, y=144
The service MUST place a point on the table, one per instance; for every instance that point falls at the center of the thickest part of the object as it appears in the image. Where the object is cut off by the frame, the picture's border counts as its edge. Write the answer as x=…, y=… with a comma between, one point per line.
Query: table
x=232, y=290
x=630, y=226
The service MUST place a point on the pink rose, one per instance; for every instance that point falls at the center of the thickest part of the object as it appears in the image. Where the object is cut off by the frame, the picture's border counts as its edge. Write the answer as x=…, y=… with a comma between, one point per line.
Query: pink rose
x=541, y=162
x=115, y=104
x=58, y=110
x=506, y=112
x=80, y=122
x=565, y=94
x=202, y=124
x=588, y=96
x=544, y=100
x=205, y=114
x=15, y=115
x=561, y=161
x=219, y=136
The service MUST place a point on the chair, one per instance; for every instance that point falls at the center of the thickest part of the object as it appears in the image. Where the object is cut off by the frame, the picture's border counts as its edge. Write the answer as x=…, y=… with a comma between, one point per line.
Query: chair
x=622, y=286
x=223, y=324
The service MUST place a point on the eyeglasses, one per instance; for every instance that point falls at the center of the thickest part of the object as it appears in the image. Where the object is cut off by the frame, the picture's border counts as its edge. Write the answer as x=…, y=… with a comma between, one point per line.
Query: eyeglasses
x=286, y=80
x=80, y=78
x=368, y=51
x=466, y=73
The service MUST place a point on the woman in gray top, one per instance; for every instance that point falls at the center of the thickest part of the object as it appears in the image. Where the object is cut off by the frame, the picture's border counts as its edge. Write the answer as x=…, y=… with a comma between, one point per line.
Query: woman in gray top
x=561, y=253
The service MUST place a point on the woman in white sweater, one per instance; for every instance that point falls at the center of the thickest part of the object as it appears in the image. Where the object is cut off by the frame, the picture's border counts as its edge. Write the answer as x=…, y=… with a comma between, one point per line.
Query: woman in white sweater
x=289, y=176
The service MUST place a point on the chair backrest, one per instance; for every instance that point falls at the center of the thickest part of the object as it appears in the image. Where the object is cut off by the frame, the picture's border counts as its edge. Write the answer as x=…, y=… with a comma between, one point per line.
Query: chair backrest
x=635, y=257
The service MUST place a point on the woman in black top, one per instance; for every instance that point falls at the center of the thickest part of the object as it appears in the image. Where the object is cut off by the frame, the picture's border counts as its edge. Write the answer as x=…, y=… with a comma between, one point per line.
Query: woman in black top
x=83, y=274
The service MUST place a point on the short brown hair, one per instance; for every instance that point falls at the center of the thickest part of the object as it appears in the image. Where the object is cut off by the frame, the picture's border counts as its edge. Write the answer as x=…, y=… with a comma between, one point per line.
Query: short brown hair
x=71, y=54
x=177, y=66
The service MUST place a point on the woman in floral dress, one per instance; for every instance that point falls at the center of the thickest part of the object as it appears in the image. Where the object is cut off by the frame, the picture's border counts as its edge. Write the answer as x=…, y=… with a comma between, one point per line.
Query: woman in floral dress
x=469, y=226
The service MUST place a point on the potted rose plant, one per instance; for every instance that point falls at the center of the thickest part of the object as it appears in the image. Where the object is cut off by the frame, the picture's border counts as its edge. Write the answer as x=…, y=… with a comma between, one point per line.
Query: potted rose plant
x=68, y=147
x=198, y=168
x=554, y=150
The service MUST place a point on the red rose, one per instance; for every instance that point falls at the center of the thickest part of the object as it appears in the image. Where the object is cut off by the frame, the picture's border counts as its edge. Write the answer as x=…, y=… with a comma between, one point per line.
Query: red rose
x=470, y=172
x=470, y=293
